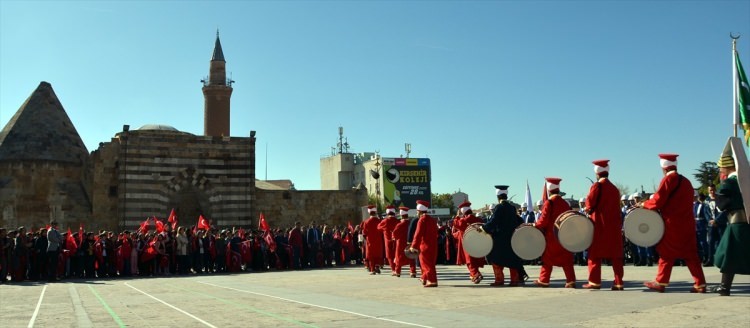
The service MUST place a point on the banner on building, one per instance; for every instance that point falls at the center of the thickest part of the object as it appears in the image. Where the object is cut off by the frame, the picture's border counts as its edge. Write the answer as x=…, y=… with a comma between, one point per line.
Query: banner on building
x=406, y=180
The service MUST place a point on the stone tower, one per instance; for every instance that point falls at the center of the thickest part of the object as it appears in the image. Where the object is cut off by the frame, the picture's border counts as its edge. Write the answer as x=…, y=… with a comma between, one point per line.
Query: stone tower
x=217, y=93
x=42, y=166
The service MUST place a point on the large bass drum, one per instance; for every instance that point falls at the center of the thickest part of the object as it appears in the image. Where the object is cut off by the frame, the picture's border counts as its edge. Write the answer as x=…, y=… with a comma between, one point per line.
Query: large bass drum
x=574, y=231
x=476, y=243
x=528, y=242
x=643, y=227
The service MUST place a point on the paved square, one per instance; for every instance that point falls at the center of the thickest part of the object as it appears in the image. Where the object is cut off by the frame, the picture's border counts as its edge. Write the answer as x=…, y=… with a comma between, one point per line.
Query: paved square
x=349, y=297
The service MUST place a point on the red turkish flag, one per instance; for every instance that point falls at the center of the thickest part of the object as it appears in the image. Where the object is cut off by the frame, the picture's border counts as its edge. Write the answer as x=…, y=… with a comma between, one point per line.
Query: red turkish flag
x=202, y=223
x=173, y=219
x=262, y=224
x=70, y=242
x=159, y=226
x=144, y=226
x=270, y=241
x=246, y=252
x=80, y=234
x=351, y=228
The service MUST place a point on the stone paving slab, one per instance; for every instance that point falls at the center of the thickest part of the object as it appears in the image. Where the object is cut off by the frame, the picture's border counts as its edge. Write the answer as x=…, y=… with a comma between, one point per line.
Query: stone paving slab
x=350, y=297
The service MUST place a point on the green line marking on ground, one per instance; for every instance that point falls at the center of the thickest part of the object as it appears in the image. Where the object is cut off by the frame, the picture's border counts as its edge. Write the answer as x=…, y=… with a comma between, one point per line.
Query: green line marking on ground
x=109, y=309
x=243, y=306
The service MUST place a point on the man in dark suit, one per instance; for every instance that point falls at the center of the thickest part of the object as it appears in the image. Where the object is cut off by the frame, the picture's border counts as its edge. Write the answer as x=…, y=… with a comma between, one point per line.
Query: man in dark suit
x=313, y=241
x=54, y=245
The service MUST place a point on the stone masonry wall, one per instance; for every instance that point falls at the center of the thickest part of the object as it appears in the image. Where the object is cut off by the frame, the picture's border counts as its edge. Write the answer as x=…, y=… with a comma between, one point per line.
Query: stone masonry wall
x=33, y=193
x=153, y=171
x=282, y=208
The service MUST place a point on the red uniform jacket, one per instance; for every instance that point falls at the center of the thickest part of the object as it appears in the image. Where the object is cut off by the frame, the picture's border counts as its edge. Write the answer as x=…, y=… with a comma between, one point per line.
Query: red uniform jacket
x=295, y=238
x=426, y=237
x=554, y=253
x=399, y=233
x=386, y=226
x=603, y=204
x=458, y=235
x=674, y=199
x=373, y=241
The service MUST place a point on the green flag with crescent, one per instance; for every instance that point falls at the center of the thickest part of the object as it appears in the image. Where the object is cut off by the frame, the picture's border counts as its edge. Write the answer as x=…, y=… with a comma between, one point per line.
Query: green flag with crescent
x=743, y=98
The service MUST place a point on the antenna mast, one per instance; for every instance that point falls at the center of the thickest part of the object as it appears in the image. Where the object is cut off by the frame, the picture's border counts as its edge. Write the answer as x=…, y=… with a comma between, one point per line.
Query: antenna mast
x=343, y=145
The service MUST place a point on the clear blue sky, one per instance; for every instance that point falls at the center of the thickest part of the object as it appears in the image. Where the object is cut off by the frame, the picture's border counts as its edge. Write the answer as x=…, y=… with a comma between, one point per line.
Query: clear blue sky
x=493, y=92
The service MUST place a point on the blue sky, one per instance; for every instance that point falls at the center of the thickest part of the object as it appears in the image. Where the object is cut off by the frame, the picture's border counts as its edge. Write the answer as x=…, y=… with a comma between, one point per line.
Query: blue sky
x=494, y=92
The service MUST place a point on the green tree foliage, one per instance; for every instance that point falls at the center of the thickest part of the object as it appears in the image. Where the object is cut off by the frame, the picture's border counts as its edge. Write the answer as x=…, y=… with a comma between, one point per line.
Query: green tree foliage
x=373, y=199
x=443, y=201
x=706, y=174
x=624, y=190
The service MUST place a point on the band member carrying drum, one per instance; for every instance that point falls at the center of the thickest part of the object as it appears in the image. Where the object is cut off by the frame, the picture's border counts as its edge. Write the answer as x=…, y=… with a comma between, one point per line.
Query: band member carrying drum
x=674, y=199
x=425, y=240
x=554, y=253
x=373, y=241
x=501, y=225
x=399, y=234
x=464, y=222
x=603, y=206
x=386, y=226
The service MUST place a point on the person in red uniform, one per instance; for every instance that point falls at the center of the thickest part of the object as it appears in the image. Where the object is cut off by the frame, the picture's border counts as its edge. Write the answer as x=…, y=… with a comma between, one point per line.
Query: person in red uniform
x=399, y=234
x=554, y=254
x=674, y=200
x=386, y=227
x=603, y=206
x=425, y=240
x=295, y=240
x=458, y=236
x=373, y=240
x=466, y=220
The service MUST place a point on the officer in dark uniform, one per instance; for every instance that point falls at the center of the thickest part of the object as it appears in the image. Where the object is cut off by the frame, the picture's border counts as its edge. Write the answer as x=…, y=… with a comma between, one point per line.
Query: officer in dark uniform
x=501, y=225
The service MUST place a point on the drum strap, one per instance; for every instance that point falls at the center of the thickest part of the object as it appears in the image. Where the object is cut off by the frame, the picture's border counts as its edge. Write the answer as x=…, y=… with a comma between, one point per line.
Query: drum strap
x=679, y=181
x=598, y=194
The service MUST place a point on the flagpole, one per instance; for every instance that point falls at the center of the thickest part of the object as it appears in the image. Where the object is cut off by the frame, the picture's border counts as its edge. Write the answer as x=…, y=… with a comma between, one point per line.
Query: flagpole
x=735, y=108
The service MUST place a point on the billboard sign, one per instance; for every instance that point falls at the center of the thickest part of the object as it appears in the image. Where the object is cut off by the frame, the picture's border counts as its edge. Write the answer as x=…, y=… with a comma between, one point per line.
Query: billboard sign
x=406, y=180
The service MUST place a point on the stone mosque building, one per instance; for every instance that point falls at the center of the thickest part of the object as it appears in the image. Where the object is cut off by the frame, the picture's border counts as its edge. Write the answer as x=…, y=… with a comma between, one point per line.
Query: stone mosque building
x=47, y=173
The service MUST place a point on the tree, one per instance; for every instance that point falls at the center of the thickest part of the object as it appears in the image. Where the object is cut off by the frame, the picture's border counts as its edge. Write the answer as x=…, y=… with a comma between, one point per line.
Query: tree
x=706, y=174
x=374, y=200
x=624, y=190
x=443, y=201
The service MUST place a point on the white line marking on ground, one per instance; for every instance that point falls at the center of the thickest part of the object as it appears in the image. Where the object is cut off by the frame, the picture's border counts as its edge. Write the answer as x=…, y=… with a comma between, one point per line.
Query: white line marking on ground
x=172, y=306
x=82, y=318
x=315, y=305
x=38, y=305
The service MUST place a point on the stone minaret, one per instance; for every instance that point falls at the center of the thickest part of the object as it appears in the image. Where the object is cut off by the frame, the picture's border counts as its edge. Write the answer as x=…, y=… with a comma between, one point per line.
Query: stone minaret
x=217, y=94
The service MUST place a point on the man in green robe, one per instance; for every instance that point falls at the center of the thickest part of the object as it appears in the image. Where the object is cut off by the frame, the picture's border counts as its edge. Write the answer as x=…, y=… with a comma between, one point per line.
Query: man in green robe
x=733, y=254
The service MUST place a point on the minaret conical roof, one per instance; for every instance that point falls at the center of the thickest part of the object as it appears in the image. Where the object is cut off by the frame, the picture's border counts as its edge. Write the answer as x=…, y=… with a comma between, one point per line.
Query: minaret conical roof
x=41, y=130
x=218, y=53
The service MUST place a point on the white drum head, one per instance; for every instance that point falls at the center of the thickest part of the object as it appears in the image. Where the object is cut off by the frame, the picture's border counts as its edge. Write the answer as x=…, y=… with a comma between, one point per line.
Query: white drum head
x=643, y=227
x=576, y=232
x=528, y=242
x=477, y=244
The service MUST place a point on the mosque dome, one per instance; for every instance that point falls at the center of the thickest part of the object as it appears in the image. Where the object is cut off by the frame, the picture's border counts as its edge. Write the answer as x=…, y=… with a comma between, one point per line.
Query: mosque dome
x=158, y=127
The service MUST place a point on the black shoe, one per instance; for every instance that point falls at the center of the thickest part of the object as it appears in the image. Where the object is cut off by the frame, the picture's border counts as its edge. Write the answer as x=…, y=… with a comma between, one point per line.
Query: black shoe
x=720, y=290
